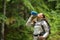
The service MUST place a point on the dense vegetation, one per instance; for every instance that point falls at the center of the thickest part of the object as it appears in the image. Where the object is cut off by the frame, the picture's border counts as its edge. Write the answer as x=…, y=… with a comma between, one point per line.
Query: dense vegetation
x=18, y=12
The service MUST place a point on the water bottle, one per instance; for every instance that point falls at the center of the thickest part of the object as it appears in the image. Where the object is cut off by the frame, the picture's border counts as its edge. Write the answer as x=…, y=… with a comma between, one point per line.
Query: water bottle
x=34, y=13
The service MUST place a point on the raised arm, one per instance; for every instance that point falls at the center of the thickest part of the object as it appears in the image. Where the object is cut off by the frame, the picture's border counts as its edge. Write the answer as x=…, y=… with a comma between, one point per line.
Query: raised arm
x=29, y=21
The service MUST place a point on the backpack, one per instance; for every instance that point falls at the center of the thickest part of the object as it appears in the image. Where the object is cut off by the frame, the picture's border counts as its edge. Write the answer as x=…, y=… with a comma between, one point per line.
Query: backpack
x=48, y=27
x=43, y=27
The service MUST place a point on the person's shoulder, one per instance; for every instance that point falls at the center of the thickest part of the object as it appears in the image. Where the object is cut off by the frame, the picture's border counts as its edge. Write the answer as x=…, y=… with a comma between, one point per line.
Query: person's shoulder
x=44, y=22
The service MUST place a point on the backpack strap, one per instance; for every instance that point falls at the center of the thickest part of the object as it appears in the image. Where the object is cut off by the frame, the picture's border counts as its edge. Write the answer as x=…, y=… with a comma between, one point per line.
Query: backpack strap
x=48, y=27
x=43, y=28
x=42, y=33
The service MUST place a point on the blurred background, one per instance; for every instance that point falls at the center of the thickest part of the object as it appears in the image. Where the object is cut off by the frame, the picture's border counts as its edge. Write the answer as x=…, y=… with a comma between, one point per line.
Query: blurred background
x=15, y=13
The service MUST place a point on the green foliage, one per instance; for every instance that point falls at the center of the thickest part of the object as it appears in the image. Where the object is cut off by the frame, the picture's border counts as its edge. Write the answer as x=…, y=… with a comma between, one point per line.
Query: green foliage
x=18, y=11
x=2, y=18
x=19, y=21
x=28, y=4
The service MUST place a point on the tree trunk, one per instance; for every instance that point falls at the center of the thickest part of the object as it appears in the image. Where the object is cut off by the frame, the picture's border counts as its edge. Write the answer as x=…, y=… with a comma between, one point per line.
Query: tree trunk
x=4, y=11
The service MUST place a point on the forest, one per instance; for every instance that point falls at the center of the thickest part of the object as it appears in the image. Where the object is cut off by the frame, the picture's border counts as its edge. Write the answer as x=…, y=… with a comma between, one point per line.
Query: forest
x=15, y=13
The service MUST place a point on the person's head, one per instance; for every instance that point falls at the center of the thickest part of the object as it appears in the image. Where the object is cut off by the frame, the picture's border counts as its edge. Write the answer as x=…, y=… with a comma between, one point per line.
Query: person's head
x=41, y=16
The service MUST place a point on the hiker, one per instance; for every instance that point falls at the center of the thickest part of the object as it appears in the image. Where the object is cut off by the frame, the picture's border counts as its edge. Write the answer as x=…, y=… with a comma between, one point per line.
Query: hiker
x=41, y=27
